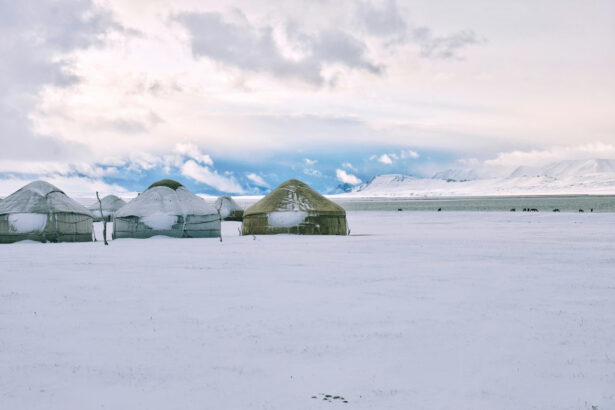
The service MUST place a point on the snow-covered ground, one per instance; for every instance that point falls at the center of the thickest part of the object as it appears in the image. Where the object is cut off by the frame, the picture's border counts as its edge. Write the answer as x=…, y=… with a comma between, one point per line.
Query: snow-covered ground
x=413, y=311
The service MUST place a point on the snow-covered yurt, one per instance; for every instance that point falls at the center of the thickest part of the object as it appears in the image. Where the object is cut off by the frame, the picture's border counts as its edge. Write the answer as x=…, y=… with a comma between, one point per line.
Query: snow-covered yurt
x=294, y=207
x=110, y=204
x=41, y=212
x=166, y=208
x=229, y=209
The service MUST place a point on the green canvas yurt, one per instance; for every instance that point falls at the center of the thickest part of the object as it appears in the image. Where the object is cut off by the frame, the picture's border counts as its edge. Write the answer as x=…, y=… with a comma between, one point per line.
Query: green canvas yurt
x=110, y=204
x=294, y=207
x=41, y=212
x=229, y=209
x=166, y=208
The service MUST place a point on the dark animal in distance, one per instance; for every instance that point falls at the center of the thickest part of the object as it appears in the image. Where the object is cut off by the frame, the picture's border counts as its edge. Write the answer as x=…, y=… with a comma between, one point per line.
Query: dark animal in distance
x=439, y=209
x=513, y=209
x=580, y=210
x=556, y=210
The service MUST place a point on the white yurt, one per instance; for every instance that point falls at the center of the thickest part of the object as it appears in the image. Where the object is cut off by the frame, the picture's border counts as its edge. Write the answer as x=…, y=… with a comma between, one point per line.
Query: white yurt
x=110, y=204
x=42, y=212
x=166, y=208
x=229, y=209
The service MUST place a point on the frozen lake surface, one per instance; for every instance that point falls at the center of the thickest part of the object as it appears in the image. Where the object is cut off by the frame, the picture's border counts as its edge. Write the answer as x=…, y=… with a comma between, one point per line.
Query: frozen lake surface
x=543, y=203
x=415, y=310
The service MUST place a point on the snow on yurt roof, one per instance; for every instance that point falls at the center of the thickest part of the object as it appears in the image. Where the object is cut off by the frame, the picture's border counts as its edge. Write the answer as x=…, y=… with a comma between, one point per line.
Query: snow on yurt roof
x=294, y=195
x=228, y=203
x=110, y=202
x=166, y=197
x=40, y=197
x=228, y=208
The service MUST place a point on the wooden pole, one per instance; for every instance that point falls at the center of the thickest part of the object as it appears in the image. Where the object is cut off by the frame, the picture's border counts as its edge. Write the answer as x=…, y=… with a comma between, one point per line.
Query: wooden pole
x=103, y=218
x=220, y=219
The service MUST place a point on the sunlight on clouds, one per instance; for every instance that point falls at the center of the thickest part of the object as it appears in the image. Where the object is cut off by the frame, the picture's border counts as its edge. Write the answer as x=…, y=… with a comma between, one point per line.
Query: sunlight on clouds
x=75, y=186
x=313, y=172
x=257, y=179
x=409, y=154
x=507, y=161
x=346, y=178
x=389, y=158
x=504, y=163
x=203, y=174
x=385, y=159
x=192, y=151
x=149, y=88
x=54, y=167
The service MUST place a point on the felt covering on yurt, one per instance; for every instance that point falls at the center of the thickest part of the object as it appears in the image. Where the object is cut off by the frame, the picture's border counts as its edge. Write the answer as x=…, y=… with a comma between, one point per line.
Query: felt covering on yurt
x=294, y=207
x=42, y=212
x=229, y=209
x=110, y=204
x=166, y=208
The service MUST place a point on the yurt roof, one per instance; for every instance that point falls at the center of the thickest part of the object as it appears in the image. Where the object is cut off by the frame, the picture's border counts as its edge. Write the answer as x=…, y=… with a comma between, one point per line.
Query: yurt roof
x=169, y=183
x=294, y=195
x=40, y=197
x=228, y=203
x=161, y=199
x=110, y=203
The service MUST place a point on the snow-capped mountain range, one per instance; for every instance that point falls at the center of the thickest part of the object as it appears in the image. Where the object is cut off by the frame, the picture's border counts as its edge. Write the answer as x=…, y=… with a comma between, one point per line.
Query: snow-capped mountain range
x=594, y=176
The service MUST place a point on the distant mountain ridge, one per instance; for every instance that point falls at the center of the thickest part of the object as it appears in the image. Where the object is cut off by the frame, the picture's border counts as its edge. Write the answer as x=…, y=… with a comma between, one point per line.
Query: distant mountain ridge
x=593, y=176
x=569, y=169
x=457, y=175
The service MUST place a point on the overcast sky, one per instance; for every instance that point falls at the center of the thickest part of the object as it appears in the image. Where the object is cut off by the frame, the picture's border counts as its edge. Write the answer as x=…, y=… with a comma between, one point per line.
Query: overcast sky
x=238, y=96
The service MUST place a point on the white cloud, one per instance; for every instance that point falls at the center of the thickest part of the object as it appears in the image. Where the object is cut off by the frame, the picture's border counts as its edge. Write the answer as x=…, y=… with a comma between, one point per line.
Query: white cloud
x=256, y=49
x=121, y=94
x=392, y=156
x=193, y=152
x=55, y=168
x=385, y=159
x=308, y=170
x=445, y=46
x=257, y=179
x=346, y=178
x=74, y=186
x=180, y=153
x=38, y=41
x=349, y=166
x=203, y=174
x=506, y=162
x=143, y=160
x=311, y=171
x=409, y=154
x=554, y=154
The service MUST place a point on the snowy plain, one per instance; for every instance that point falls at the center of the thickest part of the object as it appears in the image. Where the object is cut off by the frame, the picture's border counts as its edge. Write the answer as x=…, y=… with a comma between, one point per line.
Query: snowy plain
x=421, y=310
